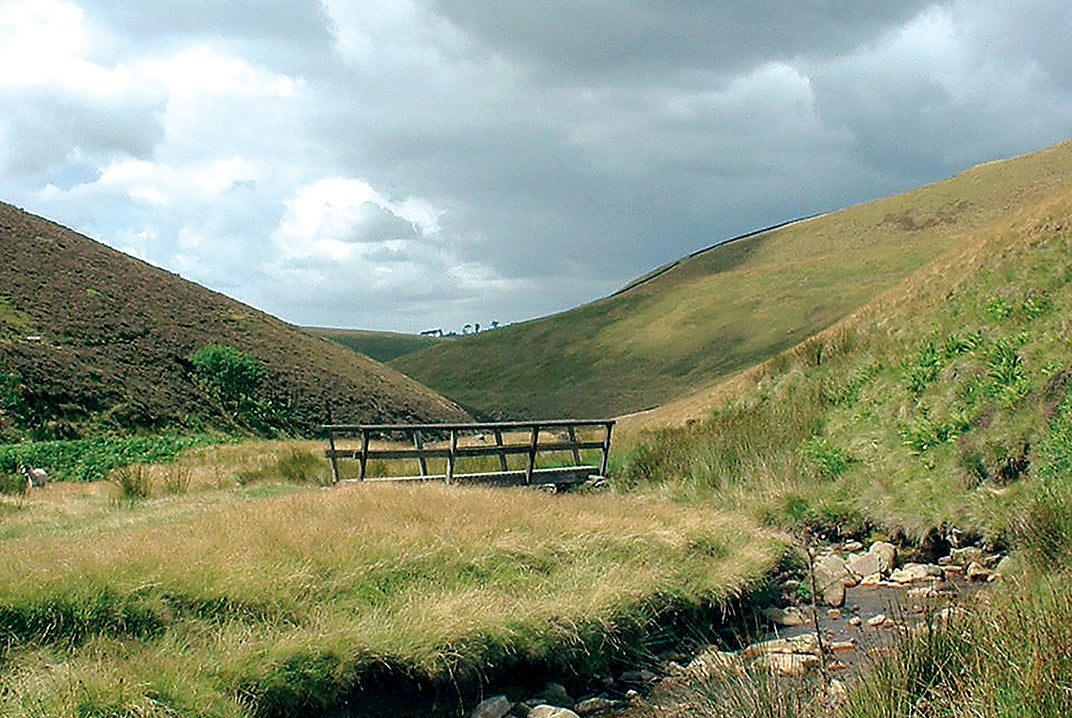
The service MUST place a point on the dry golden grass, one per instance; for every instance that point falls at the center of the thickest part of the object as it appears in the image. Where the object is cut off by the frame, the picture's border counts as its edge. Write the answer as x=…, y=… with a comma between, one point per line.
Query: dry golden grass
x=222, y=591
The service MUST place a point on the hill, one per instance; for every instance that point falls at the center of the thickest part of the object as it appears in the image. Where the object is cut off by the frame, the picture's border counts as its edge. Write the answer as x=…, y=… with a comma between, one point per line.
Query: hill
x=93, y=339
x=381, y=346
x=945, y=402
x=699, y=320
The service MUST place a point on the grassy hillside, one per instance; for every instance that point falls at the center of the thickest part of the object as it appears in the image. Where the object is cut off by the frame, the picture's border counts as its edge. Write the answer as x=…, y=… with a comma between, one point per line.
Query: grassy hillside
x=944, y=403
x=92, y=339
x=728, y=308
x=381, y=346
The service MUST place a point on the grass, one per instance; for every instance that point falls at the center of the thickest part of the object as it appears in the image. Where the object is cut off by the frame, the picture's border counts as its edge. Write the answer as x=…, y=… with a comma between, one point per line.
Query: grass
x=242, y=602
x=724, y=310
x=381, y=346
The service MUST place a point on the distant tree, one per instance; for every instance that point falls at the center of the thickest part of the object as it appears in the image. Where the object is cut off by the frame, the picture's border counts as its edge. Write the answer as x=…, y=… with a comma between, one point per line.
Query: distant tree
x=494, y=325
x=466, y=328
x=478, y=327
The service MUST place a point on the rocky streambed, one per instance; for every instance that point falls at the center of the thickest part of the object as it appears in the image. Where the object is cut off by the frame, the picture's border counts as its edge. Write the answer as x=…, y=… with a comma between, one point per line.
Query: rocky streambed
x=866, y=597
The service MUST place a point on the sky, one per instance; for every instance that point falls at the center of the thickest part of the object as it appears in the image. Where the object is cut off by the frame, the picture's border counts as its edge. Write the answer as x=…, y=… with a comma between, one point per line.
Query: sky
x=417, y=164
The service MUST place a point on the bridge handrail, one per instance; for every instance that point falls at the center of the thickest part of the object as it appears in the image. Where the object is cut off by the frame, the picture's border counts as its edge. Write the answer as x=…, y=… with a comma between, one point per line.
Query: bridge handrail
x=453, y=451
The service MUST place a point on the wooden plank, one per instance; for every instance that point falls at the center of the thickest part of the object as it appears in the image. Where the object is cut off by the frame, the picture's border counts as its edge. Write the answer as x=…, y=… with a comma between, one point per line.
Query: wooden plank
x=364, y=455
x=450, y=457
x=606, y=448
x=550, y=474
x=475, y=427
x=422, y=461
x=502, y=454
x=533, y=448
x=331, y=456
x=573, y=440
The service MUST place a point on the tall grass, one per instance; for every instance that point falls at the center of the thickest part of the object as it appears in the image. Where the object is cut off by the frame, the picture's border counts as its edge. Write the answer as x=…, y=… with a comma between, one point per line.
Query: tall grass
x=1012, y=657
x=280, y=605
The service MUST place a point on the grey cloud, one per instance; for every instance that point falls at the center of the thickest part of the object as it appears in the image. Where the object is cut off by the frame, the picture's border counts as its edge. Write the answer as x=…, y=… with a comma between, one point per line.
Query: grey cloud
x=46, y=127
x=646, y=37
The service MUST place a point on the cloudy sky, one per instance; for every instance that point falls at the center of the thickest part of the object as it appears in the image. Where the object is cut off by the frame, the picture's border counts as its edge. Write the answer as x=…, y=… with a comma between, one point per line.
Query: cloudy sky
x=410, y=164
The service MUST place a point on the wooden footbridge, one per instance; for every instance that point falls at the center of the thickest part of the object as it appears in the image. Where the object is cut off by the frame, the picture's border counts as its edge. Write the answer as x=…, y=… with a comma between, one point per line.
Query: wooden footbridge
x=516, y=445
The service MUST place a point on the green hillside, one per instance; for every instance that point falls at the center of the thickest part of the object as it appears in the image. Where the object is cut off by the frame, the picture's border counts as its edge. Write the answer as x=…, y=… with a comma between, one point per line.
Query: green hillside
x=93, y=340
x=945, y=403
x=381, y=346
x=726, y=309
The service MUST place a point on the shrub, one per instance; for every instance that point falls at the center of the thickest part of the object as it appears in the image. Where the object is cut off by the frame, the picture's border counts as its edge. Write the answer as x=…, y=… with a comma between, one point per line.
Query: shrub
x=234, y=375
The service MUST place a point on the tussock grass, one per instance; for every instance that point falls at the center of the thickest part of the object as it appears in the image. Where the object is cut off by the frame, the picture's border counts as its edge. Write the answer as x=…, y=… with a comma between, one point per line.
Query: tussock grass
x=1010, y=655
x=275, y=605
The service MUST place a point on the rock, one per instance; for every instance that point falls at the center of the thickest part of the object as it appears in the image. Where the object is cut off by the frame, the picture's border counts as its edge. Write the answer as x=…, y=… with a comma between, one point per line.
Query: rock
x=967, y=555
x=494, y=707
x=871, y=581
x=887, y=554
x=865, y=564
x=877, y=621
x=791, y=616
x=833, y=613
x=839, y=646
x=911, y=572
x=710, y=664
x=855, y=621
x=545, y=711
x=638, y=678
x=851, y=546
x=598, y=704
x=804, y=643
x=787, y=664
x=791, y=585
x=555, y=694
x=976, y=572
x=829, y=573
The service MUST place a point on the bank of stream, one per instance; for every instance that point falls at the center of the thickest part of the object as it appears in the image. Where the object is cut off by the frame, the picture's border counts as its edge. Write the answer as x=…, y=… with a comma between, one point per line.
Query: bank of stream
x=772, y=631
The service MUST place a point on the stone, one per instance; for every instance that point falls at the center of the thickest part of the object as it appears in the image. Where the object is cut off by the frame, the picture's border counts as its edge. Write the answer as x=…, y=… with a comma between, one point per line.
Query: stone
x=877, y=621
x=829, y=573
x=912, y=572
x=787, y=664
x=976, y=572
x=851, y=546
x=710, y=664
x=840, y=646
x=598, y=704
x=871, y=581
x=555, y=694
x=833, y=613
x=641, y=677
x=791, y=616
x=865, y=564
x=494, y=707
x=804, y=643
x=855, y=621
x=545, y=711
x=967, y=555
x=887, y=554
